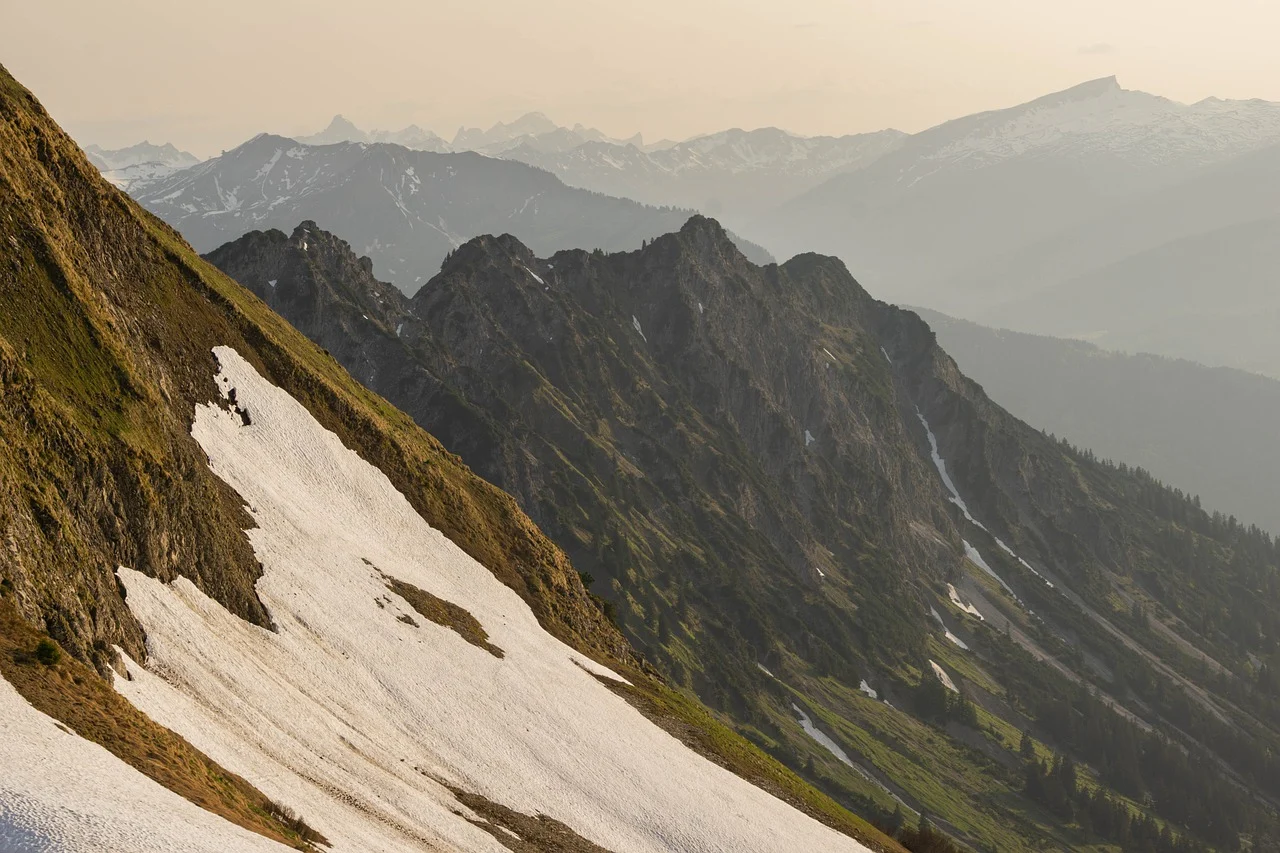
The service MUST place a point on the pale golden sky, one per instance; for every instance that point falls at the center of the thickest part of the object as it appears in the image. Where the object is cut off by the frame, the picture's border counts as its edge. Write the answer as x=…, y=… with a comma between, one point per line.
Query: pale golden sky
x=207, y=75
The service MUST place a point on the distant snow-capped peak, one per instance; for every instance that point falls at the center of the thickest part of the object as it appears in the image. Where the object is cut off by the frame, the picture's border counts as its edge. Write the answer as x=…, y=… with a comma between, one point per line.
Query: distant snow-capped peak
x=1100, y=117
x=142, y=162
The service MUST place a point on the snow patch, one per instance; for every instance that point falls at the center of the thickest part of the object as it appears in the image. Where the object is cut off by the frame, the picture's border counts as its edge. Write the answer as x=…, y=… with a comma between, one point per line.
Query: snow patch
x=943, y=677
x=867, y=689
x=964, y=607
x=941, y=465
x=834, y=748
x=976, y=558
x=954, y=640
x=272, y=282
x=955, y=498
x=636, y=322
x=808, y=438
x=821, y=737
x=1024, y=563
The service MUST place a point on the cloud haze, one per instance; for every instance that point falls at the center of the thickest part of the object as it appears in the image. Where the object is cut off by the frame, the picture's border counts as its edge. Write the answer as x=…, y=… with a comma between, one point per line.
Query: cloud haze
x=207, y=75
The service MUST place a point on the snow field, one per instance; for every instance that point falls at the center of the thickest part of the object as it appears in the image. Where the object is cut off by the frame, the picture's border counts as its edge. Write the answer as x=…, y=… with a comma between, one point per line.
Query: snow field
x=346, y=713
x=60, y=792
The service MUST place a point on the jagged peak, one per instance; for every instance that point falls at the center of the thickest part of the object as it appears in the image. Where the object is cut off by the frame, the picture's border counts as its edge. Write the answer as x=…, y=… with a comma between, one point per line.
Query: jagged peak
x=1086, y=91
x=703, y=235
x=488, y=246
x=262, y=140
x=341, y=122
x=700, y=224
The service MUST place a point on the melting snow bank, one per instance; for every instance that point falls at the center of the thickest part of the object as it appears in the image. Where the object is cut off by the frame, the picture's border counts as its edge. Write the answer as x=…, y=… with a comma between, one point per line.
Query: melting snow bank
x=61, y=792
x=821, y=737
x=866, y=688
x=947, y=631
x=943, y=677
x=834, y=748
x=974, y=556
x=963, y=606
x=349, y=715
x=941, y=465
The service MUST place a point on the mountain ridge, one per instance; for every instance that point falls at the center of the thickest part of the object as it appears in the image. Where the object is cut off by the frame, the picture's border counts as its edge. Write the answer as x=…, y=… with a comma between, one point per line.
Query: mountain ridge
x=750, y=462
x=926, y=220
x=407, y=209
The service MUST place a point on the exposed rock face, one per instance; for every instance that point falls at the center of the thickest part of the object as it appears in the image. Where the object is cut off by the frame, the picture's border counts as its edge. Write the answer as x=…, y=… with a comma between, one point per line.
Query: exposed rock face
x=640, y=408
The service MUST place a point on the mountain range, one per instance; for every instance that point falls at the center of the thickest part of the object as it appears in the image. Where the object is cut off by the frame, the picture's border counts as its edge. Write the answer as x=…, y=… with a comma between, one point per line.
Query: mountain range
x=532, y=130
x=407, y=210
x=246, y=605
x=1096, y=212
x=736, y=174
x=144, y=161
x=800, y=510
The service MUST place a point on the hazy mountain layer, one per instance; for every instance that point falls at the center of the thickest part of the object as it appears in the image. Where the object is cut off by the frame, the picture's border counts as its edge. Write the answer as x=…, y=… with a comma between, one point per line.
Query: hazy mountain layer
x=934, y=222
x=142, y=162
x=736, y=175
x=405, y=209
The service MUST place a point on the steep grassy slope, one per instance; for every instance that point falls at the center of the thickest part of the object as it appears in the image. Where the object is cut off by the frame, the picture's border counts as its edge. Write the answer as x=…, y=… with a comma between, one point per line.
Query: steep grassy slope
x=741, y=457
x=107, y=322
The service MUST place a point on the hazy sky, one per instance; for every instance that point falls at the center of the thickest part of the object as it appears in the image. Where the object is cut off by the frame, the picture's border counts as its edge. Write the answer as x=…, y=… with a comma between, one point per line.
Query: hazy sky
x=207, y=75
